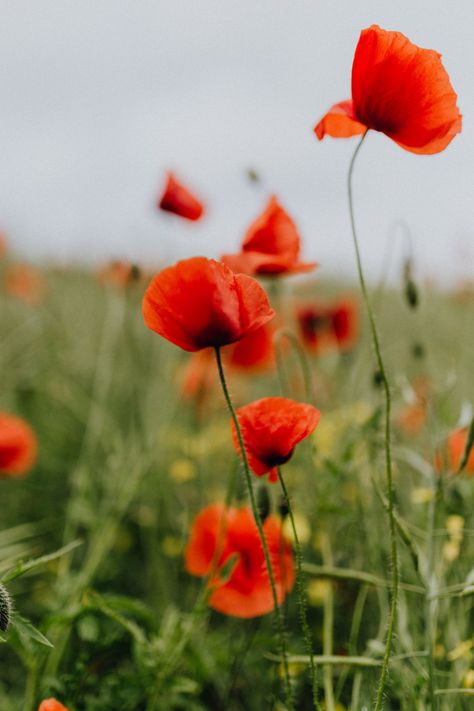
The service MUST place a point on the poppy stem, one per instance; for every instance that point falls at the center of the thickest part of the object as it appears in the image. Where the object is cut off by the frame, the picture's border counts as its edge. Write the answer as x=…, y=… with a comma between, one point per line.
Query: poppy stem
x=302, y=601
x=388, y=450
x=258, y=522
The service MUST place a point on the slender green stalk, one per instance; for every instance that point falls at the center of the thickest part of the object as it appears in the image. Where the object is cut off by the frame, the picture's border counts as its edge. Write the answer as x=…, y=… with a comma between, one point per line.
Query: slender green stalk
x=301, y=357
x=302, y=601
x=328, y=627
x=430, y=603
x=253, y=503
x=388, y=452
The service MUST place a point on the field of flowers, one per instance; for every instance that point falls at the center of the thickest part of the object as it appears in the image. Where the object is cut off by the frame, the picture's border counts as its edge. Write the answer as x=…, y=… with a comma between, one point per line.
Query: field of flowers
x=232, y=485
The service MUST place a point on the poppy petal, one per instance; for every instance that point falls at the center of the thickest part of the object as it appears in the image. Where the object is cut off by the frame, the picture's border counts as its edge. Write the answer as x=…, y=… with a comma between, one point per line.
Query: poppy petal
x=339, y=122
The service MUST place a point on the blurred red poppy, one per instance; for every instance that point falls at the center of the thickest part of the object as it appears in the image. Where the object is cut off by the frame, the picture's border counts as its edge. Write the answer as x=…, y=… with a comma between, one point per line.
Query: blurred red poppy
x=200, y=303
x=399, y=89
x=178, y=199
x=18, y=446
x=120, y=273
x=324, y=326
x=246, y=591
x=25, y=283
x=253, y=352
x=271, y=429
x=271, y=245
x=51, y=705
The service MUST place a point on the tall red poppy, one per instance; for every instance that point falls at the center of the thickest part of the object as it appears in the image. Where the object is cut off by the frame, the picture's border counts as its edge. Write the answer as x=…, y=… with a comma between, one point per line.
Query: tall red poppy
x=246, y=592
x=399, y=89
x=200, y=303
x=18, y=446
x=51, y=705
x=271, y=245
x=325, y=326
x=271, y=429
x=178, y=199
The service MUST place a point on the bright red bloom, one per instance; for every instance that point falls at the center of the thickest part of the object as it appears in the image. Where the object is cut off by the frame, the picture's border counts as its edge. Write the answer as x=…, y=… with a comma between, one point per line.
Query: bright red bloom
x=51, y=705
x=247, y=592
x=329, y=326
x=179, y=200
x=271, y=429
x=255, y=351
x=200, y=303
x=399, y=89
x=271, y=245
x=18, y=446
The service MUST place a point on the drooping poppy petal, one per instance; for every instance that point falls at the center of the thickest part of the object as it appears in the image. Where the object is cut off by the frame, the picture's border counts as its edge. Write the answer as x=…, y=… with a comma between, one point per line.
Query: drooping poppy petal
x=401, y=90
x=271, y=245
x=271, y=429
x=178, y=199
x=51, y=705
x=18, y=446
x=246, y=592
x=340, y=122
x=200, y=303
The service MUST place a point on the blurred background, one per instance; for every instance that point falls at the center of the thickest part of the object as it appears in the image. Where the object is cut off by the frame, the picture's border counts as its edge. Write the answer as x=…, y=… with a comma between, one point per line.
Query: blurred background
x=100, y=98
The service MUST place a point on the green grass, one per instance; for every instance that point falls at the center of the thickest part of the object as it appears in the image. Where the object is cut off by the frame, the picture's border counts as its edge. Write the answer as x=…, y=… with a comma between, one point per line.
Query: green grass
x=103, y=394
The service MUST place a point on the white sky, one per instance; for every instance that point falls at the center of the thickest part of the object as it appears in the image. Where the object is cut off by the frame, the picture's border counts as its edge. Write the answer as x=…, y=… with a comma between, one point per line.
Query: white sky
x=99, y=97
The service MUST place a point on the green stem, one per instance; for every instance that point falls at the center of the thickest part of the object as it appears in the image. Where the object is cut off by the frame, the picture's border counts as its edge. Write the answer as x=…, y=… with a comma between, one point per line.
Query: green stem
x=253, y=502
x=301, y=357
x=302, y=601
x=388, y=453
x=430, y=603
x=328, y=626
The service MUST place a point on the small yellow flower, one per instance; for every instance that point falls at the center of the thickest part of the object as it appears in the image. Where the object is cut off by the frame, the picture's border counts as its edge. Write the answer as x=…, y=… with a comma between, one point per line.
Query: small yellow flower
x=302, y=525
x=318, y=590
x=171, y=546
x=422, y=495
x=439, y=652
x=182, y=470
x=462, y=650
x=468, y=681
x=455, y=527
x=451, y=551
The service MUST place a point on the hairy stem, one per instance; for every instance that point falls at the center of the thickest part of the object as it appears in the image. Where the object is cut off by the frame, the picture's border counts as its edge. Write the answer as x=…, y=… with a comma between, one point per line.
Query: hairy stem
x=258, y=522
x=388, y=453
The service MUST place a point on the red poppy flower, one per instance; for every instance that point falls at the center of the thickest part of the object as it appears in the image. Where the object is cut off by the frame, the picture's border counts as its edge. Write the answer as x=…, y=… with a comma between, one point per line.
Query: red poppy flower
x=246, y=592
x=255, y=351
x=18, y=446
x=456, y=446
x=51, y=705
x=25, y=283
x=179, y=200
x=399, y=89
x=271, y=429
x=271, y=246
x=329, y=326
x=200, y=303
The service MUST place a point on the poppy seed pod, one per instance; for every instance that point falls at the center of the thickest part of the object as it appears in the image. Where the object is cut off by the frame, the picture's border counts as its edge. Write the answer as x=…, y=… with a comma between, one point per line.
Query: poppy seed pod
x=5, y=608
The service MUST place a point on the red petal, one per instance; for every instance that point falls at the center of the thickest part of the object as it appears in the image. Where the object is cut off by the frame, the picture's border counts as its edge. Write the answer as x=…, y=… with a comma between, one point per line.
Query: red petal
x=340, y=122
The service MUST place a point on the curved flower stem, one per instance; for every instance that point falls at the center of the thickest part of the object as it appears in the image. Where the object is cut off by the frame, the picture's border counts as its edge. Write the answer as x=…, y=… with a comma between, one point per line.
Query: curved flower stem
x=258, y=522
x=388, y=452
x=302, y=602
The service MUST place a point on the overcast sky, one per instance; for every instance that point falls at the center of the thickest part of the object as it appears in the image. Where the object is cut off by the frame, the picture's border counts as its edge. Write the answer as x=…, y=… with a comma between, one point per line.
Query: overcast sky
x=99, y=98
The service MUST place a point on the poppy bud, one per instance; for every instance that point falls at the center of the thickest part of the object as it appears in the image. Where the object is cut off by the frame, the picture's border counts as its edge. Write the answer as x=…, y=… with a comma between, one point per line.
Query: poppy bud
x=410, y=289
x=377, y=379
x=283, y=509
x=418, y=350
x=263, y=503
x=5, y=608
